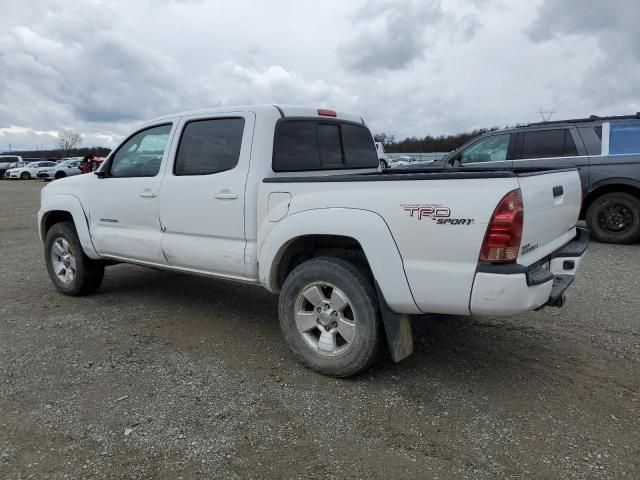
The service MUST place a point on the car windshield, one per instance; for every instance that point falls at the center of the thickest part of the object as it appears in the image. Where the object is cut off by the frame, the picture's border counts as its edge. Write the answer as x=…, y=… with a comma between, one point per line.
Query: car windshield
x=31, y=164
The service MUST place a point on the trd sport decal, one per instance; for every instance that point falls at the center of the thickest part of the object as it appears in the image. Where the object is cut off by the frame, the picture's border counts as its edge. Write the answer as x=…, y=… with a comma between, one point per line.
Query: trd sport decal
x=438, y=213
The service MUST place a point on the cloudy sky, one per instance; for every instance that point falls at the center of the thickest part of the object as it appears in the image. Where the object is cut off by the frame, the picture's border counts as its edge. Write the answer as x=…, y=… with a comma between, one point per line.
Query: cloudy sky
x=410, y=67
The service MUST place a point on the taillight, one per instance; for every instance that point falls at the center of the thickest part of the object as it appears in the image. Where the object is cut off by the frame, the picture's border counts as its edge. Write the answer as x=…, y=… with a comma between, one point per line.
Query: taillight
x=324, y=112
x=504, y=233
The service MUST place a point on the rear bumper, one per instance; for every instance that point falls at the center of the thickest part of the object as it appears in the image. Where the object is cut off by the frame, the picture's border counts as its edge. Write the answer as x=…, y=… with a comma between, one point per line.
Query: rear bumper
x=510, y=289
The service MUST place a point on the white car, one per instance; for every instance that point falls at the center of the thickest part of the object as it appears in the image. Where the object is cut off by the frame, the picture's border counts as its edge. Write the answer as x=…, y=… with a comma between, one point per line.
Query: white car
x=65, y=168
x=29, y=171
x=290, y=198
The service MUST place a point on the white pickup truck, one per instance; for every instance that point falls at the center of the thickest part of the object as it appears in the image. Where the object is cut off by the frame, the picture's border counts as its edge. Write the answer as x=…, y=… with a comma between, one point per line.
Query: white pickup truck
x=292, y=198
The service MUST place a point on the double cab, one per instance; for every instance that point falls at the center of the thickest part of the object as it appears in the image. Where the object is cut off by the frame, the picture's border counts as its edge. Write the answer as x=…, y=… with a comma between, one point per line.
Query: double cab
x=292, y=198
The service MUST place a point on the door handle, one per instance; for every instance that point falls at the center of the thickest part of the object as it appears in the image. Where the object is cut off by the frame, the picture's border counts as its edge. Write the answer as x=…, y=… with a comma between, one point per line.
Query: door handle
x=226, y=196
x=148, y=194
x=558, y=191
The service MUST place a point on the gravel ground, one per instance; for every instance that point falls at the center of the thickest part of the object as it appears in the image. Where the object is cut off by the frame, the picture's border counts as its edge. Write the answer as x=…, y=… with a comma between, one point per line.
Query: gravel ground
x=161, y=375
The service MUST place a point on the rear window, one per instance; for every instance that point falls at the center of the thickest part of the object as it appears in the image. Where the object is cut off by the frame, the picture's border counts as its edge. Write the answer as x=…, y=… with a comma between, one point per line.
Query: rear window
x=548, y=143
x=303, y=145
x=624, y=138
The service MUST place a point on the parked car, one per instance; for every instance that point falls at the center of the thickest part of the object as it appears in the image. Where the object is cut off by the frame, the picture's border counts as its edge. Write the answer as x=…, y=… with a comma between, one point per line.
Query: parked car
x=605, y=150
x=382, y=156
x=290, y=198
x=403, y=161
x=66, y=168
x=28, y=171
x=6, y=161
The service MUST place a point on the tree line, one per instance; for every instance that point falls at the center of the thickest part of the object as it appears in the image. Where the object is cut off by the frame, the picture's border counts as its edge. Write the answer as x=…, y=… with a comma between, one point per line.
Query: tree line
x=57, y=154
x=428, y=143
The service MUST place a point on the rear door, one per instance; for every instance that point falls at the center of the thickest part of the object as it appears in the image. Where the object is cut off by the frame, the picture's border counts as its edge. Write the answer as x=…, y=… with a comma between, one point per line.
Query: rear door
x=492, y=151
x=554, y=147
x=202, y=200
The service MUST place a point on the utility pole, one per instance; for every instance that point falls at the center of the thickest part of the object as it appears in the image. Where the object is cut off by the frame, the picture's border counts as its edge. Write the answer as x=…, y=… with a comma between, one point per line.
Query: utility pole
x=546, y=114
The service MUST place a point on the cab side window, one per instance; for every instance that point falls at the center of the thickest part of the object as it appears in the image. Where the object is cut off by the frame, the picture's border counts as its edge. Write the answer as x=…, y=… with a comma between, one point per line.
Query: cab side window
x=141, y=155
x=209, y=146
x=489, y=149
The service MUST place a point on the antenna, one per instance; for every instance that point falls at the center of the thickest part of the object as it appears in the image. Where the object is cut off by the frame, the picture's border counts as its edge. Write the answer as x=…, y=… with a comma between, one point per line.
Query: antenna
x=546, y=114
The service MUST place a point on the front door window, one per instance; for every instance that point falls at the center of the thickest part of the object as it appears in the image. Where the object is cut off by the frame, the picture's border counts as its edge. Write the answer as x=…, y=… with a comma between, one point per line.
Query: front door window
x=489, y=149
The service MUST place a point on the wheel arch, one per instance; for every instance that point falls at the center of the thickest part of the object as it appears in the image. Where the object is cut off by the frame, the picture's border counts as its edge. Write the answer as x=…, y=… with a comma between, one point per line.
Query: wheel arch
x=613, y=185
x=360, y=236
x=62, y=208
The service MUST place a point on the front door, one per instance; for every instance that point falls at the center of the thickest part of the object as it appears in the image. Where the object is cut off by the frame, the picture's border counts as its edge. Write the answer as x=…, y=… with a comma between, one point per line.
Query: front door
x=123, y=204
x=202, y=199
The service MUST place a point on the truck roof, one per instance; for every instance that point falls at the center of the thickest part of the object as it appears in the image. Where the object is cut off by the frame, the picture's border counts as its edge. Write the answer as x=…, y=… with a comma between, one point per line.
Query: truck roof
x=284, y=111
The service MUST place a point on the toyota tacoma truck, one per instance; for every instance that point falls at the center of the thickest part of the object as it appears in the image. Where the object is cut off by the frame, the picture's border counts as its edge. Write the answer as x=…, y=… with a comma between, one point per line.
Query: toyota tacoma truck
x=291, y=198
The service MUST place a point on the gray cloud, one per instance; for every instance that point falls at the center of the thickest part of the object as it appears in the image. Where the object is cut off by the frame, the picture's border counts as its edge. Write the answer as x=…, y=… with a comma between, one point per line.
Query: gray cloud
x=390, y=35
x=610, y=39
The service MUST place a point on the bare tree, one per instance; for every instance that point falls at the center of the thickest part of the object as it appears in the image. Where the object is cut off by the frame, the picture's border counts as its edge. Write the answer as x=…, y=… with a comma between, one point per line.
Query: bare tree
x=67, y=140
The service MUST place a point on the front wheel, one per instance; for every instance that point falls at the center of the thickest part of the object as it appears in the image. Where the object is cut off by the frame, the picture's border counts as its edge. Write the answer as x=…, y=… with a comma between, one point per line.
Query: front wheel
x=614, y=218
x=25, y=176
x=70, y=270
x=60, y=175
x=329, y=317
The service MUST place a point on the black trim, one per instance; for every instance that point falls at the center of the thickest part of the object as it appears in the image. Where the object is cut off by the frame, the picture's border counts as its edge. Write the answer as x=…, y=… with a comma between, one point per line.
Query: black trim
x=560, y=284
x=280, y=110
x=538, y=276
x=576, y=247
x=383, y=177
x=592, y=118
x=558, y=191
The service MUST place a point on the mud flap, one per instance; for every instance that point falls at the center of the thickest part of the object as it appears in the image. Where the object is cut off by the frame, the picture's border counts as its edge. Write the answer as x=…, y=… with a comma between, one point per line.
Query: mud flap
x=397, y=326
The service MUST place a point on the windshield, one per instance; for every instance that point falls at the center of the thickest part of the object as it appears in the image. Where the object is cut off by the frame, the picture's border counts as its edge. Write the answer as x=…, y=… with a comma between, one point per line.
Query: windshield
x=31, y=164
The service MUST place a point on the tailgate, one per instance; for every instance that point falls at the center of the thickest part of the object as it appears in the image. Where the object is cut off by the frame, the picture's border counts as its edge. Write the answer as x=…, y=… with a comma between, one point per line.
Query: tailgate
x=551, y=208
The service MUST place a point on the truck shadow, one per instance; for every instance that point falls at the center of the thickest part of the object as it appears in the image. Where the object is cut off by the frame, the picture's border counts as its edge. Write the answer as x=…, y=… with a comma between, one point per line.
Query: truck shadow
x=184, y=310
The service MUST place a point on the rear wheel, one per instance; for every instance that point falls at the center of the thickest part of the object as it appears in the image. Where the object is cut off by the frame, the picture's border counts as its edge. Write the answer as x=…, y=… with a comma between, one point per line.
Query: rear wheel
x=25, y=176
x=614, y=218
x=329, y=317
x=72, y=272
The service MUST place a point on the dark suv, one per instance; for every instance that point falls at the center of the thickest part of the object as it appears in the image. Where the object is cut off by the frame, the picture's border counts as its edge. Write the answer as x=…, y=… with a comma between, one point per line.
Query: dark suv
x=606, y=151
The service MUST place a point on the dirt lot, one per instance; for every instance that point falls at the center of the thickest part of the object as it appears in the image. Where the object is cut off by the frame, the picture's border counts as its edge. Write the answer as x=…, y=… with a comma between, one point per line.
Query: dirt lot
x=161, y=375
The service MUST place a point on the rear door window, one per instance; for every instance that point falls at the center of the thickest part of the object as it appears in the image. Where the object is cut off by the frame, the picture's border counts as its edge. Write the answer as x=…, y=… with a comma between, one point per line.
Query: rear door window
x=209, y=146
x=624, y=138
x=306, y=145
x=548, y=143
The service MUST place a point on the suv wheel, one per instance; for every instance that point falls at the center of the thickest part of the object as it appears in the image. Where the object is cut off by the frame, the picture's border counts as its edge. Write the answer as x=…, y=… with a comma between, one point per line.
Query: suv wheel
x=614, y=218
x=25, y=176
x=72, y=272
x=329, y=317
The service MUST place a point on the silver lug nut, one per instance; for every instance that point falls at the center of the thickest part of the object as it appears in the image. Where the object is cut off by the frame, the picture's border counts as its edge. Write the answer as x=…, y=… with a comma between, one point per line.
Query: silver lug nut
x=334, y=314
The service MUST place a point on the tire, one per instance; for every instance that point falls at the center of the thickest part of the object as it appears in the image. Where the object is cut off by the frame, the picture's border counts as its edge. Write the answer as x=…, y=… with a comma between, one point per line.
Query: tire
x=25, y=176
x=614, y=218
x=355, y=329
x=60, y=175
x=384, y=164
x=88, y=274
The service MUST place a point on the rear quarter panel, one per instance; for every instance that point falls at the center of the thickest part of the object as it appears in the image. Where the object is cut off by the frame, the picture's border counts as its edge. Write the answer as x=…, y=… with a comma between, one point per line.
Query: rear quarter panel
x=437, y=226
